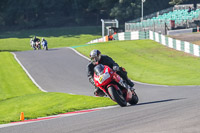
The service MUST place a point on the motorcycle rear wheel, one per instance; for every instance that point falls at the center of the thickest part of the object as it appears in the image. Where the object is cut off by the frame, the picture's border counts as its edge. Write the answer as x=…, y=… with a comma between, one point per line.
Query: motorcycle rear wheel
x=39, y=47
x=117, y=96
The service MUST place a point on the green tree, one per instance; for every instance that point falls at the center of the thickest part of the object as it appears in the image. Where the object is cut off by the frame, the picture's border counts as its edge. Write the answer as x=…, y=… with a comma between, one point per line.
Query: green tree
x=51, y=13
x=151, y=6
x=125, y=9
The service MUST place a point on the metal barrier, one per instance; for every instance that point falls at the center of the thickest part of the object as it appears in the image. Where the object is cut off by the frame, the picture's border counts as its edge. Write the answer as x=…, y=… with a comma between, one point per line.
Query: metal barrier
x=136, y=35
x=179, y=45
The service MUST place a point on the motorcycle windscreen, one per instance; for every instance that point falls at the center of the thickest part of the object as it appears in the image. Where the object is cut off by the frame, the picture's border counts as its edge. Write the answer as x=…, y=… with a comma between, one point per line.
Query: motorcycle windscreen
x=98, y=70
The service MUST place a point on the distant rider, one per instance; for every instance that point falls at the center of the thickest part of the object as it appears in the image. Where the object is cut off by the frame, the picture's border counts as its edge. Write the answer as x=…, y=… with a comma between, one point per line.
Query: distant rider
x=32, y=43
x=37, y=42
x=35, y=39
x=97, y=58
x=44, y=43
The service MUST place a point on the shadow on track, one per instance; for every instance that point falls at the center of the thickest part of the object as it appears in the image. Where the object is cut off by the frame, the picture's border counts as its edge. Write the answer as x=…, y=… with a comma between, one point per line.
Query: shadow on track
x=160, y=101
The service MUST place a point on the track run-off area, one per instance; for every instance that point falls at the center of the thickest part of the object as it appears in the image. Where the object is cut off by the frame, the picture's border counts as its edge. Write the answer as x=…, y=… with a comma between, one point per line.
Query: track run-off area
x=161, y=109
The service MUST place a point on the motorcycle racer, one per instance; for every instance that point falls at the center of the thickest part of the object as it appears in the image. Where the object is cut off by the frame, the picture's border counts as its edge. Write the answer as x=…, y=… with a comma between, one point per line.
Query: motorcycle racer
x=97, y=58
x=35, y=39
x=37, y=42
x=44, y=44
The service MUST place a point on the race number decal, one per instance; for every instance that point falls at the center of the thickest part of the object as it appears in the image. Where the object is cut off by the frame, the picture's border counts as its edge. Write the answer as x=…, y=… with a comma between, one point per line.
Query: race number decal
x=103, y=77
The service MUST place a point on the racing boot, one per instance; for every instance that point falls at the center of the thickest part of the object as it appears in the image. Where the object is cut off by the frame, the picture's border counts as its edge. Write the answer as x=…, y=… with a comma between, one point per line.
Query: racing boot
x=131, y=84
x=99, y=92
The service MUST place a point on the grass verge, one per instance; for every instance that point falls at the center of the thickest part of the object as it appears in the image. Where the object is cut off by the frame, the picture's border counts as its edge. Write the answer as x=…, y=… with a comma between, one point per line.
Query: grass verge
x=44, y=104
x=13, y=80
x=145, y=61
x=149, y=62
x=56, y=37
x=19, y=94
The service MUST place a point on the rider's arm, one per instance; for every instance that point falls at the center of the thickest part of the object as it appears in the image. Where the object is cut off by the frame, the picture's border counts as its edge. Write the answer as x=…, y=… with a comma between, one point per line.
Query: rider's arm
x=90, y=70
x=112, y=63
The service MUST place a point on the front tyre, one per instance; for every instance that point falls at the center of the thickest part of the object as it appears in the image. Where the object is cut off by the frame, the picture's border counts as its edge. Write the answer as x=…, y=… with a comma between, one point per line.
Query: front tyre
x=117, y=96
x=134, y=99
x=39, y=47
x=45, y=48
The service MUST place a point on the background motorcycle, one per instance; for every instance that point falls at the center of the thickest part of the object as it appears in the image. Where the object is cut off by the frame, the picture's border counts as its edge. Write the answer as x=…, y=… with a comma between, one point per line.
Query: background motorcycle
x=38, y=45
x=114, y=86
x=45, y=47
x=33, y=45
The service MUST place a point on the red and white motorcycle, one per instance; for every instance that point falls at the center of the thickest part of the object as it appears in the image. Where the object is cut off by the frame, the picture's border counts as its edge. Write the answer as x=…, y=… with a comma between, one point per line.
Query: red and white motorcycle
x=38, y=45
x=114, y=86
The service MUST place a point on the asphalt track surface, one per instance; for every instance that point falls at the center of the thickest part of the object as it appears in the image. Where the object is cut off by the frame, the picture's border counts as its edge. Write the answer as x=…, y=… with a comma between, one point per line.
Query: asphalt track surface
x=161, y=109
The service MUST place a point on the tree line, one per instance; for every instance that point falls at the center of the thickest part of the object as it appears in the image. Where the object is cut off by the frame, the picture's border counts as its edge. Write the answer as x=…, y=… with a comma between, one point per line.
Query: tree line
x=25, y=14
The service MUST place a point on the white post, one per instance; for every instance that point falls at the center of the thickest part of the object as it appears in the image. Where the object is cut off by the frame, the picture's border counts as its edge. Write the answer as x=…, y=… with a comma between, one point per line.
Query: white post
x=142, y=8
x=117, y=23
x=102, y=27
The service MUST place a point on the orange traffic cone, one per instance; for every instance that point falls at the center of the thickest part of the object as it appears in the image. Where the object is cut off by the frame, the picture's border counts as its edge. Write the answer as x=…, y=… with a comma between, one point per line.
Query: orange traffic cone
x=22, y=116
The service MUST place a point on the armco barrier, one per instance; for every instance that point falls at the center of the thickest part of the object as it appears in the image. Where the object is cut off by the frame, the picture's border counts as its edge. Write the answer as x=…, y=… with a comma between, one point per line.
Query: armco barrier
x=136, y=35
x=103, y=39
x=175, y=44
x=162, y=39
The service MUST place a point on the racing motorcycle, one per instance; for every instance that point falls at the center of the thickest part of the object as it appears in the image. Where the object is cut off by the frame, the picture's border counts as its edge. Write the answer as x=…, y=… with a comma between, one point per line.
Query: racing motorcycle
x=38, y=45
x=114, y=86
x=33, y=45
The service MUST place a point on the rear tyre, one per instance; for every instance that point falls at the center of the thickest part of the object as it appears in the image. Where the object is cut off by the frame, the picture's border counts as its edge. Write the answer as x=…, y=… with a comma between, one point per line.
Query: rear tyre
x=39, y=47
x=134, y=99
x=34, y=47
x=117, y=96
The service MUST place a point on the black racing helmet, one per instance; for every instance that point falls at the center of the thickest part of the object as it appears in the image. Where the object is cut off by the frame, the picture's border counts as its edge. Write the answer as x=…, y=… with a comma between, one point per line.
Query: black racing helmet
x=95, y=56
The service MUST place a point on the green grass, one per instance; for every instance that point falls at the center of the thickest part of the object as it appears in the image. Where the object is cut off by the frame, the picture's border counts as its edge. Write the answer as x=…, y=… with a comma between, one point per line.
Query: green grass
x=149, y=62
x=44, y=104
x=145, y=61
x=18, y=94
x=13, y=80
x=56, y=37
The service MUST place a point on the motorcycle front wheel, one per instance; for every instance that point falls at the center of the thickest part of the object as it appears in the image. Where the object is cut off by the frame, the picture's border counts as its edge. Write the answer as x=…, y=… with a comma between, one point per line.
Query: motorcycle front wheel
x=117, y=96
x=45, y=48
x=134, y=99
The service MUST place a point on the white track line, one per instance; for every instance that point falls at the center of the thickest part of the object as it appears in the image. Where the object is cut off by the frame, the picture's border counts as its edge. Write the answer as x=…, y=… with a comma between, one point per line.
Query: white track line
x=55, y=116
x=79, y=53
x=28, y=73
x=132, y=80
x=60, y=115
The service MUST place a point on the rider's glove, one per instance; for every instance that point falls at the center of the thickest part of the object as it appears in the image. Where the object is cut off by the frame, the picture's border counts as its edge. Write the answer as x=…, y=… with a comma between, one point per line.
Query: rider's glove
x=116, y=68
x=91, y=80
